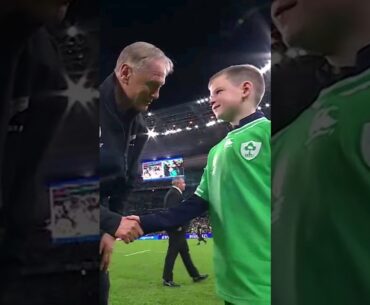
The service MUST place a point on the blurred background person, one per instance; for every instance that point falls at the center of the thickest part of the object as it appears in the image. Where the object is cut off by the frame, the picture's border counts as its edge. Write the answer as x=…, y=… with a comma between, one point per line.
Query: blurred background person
x=177, y=243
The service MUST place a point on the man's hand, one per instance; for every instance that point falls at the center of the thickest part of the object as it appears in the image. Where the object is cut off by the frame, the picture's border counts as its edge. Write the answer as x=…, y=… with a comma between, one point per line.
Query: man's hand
x=129, y=229
x=106, y=250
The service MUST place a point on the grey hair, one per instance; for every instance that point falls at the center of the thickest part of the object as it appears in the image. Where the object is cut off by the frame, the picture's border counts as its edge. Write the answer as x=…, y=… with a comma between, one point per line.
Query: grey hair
x=139, y=53
x=240, y=73
x=177, y=179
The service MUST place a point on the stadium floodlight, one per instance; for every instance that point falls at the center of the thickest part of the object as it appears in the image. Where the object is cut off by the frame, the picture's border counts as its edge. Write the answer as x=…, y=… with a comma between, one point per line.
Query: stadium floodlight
x=77, y=93
x=152, y=133
x=266, y=67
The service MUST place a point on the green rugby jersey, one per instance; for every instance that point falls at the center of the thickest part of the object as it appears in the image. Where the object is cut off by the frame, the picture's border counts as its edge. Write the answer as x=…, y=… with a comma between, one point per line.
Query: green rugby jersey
x=321, y=200
x=236, y=183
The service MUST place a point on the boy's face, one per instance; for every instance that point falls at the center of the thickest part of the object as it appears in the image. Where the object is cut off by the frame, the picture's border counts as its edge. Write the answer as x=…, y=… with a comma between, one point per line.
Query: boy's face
x=225, y=98
x=313, y=24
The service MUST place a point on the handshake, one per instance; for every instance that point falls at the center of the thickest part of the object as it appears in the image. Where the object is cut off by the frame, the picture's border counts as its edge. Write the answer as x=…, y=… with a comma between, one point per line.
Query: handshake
x=129, y=229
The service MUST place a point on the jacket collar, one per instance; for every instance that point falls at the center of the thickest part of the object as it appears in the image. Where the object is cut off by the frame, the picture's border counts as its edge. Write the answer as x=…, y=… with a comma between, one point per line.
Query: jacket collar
x=108, y=99
x=175, y=187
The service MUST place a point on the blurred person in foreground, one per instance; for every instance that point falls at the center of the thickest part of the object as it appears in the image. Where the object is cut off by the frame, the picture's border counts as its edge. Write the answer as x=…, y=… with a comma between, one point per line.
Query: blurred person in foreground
x=31, y=119
x=321, y=160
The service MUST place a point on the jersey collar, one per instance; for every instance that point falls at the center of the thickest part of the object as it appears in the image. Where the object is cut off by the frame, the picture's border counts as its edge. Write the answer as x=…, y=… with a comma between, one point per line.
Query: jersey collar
x=326, y=75
x=250, y=118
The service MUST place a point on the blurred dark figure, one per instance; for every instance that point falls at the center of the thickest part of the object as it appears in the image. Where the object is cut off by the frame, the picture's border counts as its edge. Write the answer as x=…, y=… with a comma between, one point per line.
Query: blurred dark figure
x=177, y=243
x=321, y=154
x=34, y=271
x=200, y=235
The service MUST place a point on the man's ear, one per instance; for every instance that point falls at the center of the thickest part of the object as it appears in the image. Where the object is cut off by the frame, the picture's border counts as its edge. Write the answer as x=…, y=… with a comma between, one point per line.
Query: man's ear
x=124, y=73
x=246, y=87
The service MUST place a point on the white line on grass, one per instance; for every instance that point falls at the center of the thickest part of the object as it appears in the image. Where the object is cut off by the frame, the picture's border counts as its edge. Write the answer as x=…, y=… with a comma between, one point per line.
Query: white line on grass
x=137, y=253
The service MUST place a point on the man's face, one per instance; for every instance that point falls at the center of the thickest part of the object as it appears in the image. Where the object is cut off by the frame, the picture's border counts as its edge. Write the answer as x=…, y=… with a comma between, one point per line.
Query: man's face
x=144, y=84
x=225, y=98
x=313, y=24
x=181, y=184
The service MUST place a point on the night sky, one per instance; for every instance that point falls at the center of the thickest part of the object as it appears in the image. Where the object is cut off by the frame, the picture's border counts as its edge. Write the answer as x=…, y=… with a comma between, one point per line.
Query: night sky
x=201, y=37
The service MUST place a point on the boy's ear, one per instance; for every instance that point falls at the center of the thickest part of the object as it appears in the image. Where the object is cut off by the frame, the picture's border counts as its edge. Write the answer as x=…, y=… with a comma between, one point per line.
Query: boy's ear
x=246, y=87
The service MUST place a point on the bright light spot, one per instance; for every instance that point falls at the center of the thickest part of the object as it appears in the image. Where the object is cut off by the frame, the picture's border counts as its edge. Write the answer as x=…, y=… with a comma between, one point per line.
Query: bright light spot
x=150, y=114
x=211, y=123
x=73, y=31
x=267, y=105
x=77, y=93
x=266, y=67
x=152, y=134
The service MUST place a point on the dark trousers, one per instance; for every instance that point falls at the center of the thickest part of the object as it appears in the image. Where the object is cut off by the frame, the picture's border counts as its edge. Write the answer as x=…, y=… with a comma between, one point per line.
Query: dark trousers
x=177, y=244
x=201, y=238
x=104, y=285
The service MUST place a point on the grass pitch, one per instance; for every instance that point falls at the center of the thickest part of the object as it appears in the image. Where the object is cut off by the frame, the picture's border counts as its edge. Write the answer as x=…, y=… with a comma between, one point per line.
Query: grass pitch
x=136, y=275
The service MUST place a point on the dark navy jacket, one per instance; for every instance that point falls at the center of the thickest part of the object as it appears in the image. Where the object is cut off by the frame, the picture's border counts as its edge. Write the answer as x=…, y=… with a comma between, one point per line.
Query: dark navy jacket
x=122, y=139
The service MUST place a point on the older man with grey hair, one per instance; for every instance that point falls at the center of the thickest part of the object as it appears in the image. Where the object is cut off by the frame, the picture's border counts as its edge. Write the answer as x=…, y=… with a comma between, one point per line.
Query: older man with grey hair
x=140, y=72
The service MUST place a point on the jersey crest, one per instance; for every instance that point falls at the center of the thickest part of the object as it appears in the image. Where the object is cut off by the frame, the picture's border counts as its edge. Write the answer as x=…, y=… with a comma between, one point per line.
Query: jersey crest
x=322, y=124
x=250, y=150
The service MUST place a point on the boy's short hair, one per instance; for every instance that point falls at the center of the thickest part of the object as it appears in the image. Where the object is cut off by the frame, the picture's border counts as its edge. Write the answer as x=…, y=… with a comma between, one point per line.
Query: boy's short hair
x=241, y=73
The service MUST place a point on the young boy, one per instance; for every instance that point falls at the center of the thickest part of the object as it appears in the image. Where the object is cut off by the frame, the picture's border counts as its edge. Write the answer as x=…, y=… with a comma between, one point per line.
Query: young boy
x=235, y=188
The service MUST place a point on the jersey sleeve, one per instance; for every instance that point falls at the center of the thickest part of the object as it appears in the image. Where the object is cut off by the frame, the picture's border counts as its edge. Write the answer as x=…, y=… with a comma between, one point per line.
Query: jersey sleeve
x=202, y=189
